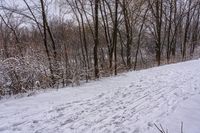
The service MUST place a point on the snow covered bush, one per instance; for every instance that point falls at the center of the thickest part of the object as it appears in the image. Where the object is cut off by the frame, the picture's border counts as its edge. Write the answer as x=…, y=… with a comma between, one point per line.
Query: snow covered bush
x=19, y=75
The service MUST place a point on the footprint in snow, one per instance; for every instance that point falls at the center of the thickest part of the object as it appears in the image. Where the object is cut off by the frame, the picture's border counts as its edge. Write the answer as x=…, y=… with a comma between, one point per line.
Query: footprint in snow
x=150, y=124
x=67, y=122
x=3, y=129
x=137, y=130
x=101, y=95
x=185, y=98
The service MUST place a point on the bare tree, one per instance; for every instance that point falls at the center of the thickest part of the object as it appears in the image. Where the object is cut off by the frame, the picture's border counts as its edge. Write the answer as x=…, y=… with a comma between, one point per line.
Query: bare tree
x=96, y=42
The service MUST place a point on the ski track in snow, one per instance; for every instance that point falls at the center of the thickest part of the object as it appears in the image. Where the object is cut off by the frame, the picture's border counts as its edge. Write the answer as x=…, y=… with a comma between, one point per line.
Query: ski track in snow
x=132, y=102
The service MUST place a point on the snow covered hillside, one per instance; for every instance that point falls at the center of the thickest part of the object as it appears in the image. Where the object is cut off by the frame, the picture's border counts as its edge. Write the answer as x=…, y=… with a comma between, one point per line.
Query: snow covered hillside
x=132, y=102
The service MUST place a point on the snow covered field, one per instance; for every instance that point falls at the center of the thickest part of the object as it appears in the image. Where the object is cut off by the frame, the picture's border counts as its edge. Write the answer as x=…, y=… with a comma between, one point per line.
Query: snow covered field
x=132, y=102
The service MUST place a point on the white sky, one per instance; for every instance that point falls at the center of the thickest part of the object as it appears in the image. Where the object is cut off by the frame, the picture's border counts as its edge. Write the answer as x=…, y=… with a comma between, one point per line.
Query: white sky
x=53, y=8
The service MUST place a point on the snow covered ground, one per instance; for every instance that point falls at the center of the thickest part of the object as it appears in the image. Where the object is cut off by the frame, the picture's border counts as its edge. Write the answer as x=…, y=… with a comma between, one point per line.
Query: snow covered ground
x=130, y=103
x=188, y=113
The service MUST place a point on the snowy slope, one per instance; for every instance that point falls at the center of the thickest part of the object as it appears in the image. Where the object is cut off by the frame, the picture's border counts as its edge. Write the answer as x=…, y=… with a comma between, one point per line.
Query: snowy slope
x=188, y=113
x=131, y=102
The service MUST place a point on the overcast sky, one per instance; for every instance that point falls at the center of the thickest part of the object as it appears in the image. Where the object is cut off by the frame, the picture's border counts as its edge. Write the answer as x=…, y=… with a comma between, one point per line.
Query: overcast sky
x=53, y=8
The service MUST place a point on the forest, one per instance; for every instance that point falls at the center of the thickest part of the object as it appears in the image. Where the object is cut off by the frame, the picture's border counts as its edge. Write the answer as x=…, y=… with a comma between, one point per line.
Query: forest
x=57, y=43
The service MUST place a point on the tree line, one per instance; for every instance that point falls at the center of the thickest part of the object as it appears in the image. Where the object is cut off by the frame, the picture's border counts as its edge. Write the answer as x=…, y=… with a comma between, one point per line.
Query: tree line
x=88, y=39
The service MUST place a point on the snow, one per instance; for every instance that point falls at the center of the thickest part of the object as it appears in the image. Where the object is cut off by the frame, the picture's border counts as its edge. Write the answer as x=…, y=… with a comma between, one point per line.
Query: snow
x=132, y=102
x=188, y=113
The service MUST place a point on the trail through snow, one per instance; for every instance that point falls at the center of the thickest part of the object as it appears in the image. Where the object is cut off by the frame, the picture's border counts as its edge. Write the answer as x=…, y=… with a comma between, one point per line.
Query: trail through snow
x=130, y=103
